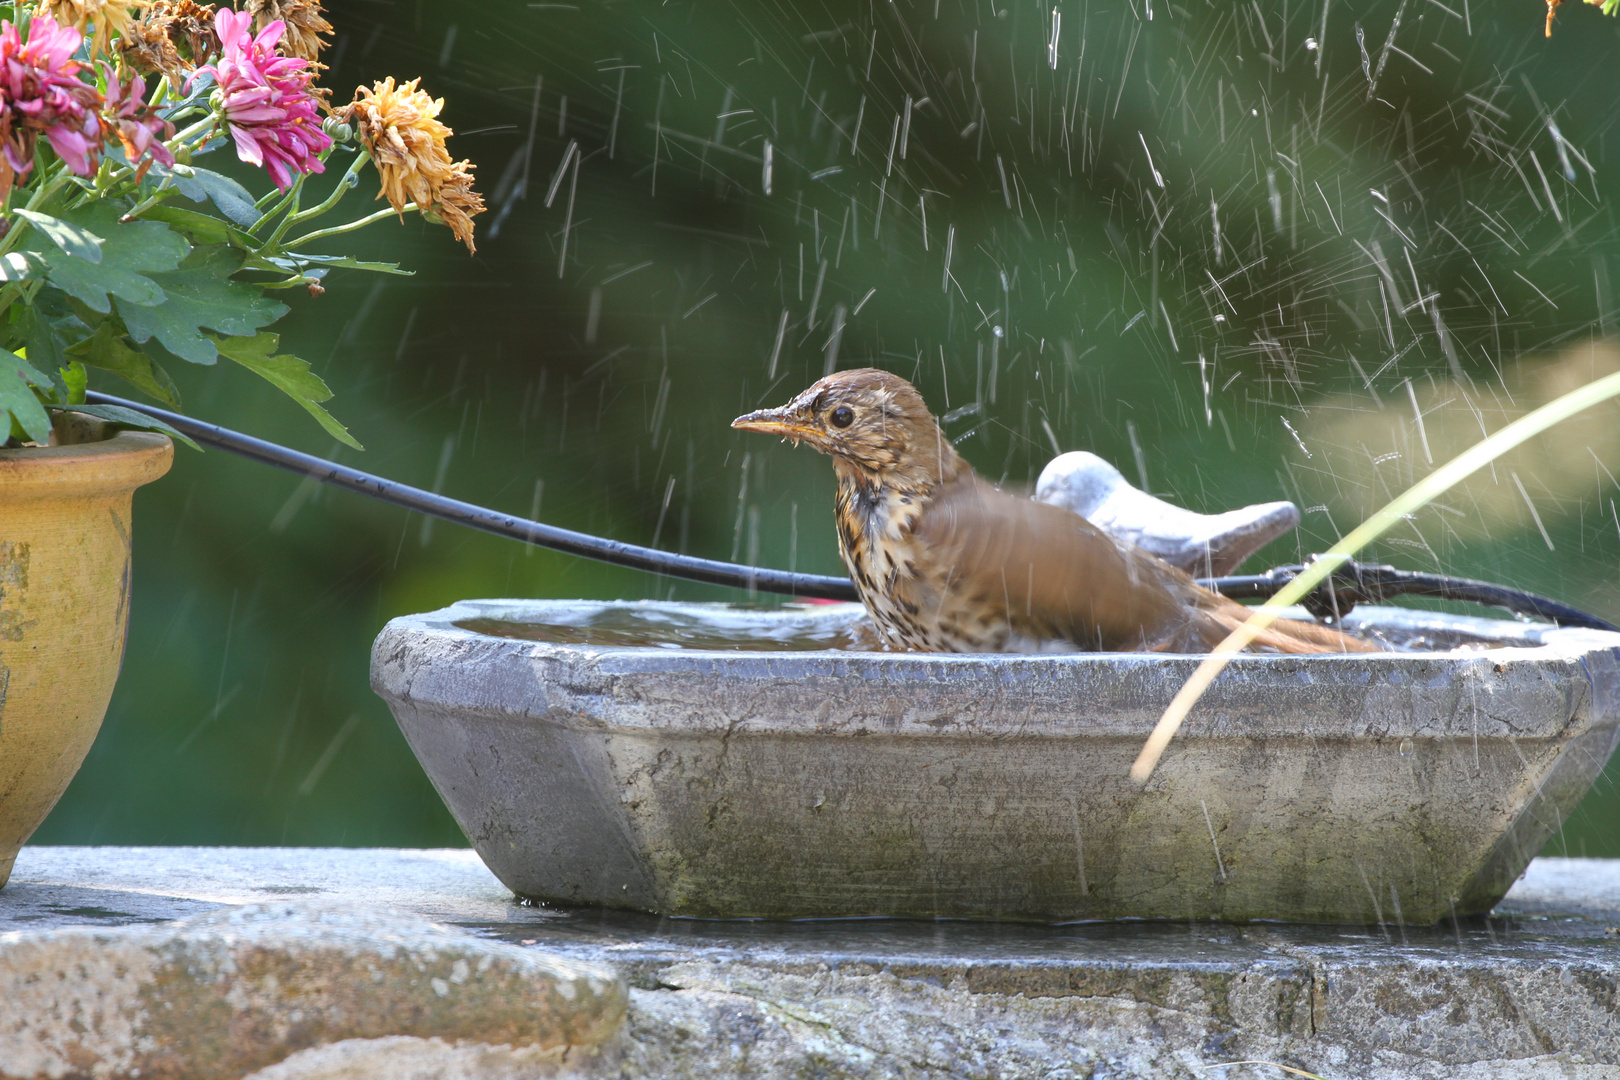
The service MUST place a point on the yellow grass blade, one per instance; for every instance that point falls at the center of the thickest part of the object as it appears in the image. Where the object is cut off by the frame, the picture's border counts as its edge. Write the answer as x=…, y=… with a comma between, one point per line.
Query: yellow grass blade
x=1273, y=1064
x=1408, y=502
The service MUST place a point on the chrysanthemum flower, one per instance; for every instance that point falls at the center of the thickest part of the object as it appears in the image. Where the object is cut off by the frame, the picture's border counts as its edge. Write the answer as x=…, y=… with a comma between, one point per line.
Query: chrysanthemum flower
x=192, y=25
x=399, y=126
x=41, y=92
x=170, y=38
x=140, y=129
x=148, y=49
x=457, y=203
x=266, y=101
x=304, y=20
x=100, y=19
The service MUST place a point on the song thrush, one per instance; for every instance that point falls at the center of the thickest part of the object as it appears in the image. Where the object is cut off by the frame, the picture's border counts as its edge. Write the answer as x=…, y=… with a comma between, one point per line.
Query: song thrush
x=946, y=562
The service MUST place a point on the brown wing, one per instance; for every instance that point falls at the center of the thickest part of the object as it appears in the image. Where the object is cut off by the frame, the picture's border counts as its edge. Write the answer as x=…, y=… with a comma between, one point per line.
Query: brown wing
x=1052, y=574
x=1047, y=571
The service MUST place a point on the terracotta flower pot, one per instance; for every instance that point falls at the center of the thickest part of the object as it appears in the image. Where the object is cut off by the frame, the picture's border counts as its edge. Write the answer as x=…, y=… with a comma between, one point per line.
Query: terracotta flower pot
x=64, y=606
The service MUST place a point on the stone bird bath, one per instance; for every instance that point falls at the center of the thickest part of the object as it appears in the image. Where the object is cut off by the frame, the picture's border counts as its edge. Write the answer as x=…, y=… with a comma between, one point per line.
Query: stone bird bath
x=708, y=761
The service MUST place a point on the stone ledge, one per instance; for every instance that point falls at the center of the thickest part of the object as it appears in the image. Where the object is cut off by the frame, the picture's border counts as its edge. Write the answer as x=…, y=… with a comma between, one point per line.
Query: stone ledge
x=223, y=994
x=1530, y=993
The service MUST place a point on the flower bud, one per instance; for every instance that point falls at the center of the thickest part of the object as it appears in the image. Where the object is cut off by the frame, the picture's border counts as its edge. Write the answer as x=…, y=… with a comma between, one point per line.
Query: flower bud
x=216, y=100
x=337, y=129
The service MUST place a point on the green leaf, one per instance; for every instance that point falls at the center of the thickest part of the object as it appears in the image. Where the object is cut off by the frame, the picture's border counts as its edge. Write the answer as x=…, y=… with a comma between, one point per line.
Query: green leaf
x=232, y=199
x=201, y=294
x=29, y=372
x=106, y=349
x=200, y=228
x=129, y=252
x=290, y=374
x=41, y=339
x=75, y=380
x=129, y=418
x=46, y=324
x=21, y=266
x=19, y=405
x=72, y=239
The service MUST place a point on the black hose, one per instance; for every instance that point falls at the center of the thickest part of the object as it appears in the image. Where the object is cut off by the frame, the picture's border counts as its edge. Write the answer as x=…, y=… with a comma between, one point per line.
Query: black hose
x=1350, y=584
x=515, y=528
x=1354, y=583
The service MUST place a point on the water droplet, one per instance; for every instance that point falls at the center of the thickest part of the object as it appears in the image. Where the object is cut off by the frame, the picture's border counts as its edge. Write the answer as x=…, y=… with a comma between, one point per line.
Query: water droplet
x=1406, y=748
x=1310, y=44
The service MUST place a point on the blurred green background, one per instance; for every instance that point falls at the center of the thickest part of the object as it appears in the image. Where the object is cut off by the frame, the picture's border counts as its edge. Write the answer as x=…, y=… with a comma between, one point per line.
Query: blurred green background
x=1163, y=232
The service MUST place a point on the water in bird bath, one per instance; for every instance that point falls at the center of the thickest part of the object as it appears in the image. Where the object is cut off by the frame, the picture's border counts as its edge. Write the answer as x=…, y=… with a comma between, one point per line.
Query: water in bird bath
x=794, y=628
x=843, y=627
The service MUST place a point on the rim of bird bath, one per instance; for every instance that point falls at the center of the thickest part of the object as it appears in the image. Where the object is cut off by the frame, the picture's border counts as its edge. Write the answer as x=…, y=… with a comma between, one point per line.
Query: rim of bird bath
x=712, y=782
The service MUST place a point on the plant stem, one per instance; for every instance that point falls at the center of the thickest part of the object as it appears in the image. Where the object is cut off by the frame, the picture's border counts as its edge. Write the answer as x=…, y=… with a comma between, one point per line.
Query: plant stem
x=336, y=230
x=271, y=197
x=349, y=179
x=157, y=196
x=290, y=199
x=202, y=125
x=18, y=290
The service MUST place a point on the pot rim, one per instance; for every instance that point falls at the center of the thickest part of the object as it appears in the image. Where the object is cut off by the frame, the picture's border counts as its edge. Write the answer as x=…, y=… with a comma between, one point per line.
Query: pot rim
x=110, y=465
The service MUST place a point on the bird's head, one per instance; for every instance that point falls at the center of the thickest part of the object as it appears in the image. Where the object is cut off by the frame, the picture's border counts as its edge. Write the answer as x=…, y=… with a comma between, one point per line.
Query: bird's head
x=865, y=419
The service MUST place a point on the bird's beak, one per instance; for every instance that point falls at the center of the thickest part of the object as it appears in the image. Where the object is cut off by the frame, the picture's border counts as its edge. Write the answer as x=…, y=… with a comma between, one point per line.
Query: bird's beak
x=777, y=422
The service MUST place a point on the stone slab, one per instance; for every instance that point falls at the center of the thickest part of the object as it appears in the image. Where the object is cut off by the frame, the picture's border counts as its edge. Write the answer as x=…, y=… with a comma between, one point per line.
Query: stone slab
x=96, y=990
x=55, y=887
x=1528, y=993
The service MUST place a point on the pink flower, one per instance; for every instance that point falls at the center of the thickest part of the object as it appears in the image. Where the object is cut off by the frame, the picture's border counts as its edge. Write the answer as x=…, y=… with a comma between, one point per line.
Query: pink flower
x=266, y=99
x=134, y=124
x=40, y=91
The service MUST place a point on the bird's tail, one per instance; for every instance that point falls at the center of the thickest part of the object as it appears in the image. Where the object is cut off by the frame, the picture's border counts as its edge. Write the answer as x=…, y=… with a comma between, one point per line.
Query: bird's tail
x=1284, y=635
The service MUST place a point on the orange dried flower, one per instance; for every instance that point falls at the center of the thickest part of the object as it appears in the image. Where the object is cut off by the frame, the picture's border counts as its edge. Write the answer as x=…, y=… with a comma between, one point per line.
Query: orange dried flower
x=458, y=203
x=193, y=23
x=399, y=127
x=170, y=38
x=99, y=20
x=305, y=21
x=147, y=49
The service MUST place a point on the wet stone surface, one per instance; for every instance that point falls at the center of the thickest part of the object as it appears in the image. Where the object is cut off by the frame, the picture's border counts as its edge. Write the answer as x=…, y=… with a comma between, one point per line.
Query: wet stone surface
x=321, y=958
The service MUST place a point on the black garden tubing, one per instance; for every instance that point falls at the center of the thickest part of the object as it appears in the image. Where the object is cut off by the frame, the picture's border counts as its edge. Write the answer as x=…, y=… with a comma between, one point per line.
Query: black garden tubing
x=1350, y=584
x=1354, y=583
x=477, y=517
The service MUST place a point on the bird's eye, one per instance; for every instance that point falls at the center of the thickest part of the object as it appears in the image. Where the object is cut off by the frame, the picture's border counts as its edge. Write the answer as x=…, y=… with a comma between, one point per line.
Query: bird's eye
x=843, y=416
